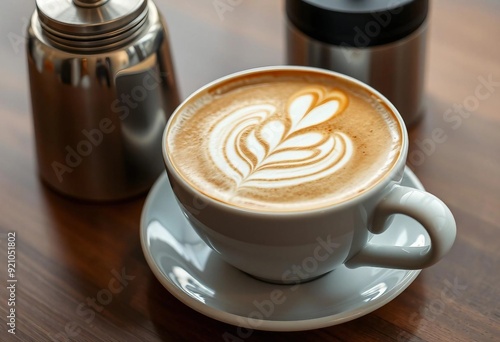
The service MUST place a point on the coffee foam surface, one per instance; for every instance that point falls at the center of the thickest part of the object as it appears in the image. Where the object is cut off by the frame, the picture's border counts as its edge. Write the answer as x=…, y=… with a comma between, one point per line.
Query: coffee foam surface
x=284, y=143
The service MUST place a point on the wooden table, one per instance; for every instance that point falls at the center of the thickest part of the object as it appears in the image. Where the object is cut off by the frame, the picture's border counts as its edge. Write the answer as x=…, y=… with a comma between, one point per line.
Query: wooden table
x=67, y=251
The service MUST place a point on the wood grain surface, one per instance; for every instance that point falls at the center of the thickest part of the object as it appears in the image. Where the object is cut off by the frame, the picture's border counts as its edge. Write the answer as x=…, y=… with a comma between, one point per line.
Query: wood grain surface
x=67, y=251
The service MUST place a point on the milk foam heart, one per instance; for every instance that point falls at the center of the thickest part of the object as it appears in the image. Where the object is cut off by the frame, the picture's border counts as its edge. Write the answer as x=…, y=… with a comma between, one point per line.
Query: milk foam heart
x=257, y=148
x=283, y=143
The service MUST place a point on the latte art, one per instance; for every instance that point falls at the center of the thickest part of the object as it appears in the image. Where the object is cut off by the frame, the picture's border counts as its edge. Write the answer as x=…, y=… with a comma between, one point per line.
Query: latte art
x=286, y=141
x=257, y=147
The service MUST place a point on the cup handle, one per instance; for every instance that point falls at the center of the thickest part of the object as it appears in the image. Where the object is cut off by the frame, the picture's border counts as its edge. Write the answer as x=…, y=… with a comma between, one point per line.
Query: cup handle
x=425, y=208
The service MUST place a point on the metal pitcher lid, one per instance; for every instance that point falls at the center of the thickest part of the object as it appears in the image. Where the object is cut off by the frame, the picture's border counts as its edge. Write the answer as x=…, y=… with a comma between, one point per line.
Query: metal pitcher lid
x=358, y=23
x=91, y=25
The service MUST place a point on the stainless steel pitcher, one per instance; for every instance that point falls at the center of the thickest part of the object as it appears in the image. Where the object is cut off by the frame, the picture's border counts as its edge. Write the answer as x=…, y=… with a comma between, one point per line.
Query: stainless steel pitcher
x=102, y=88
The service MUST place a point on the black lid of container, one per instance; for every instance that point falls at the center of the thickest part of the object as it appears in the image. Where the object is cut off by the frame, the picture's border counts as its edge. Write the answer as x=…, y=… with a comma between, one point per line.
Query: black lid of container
x=357, y=23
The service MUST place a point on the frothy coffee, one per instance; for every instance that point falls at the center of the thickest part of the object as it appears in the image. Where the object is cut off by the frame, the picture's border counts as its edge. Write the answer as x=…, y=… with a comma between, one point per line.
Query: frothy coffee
x=283, y=140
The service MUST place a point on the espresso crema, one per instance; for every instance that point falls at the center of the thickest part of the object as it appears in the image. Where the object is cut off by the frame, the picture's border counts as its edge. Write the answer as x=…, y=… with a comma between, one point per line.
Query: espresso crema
x=283, y=141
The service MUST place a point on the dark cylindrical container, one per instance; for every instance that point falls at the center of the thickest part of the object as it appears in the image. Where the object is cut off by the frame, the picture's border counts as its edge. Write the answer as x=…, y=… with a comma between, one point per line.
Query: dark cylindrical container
x=379, y=42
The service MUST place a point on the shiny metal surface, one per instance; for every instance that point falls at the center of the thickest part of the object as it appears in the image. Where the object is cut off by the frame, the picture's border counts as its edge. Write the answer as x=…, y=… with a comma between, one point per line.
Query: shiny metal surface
x=99, y=117
x=89, y=3
x=88, y=18
x=396, y=69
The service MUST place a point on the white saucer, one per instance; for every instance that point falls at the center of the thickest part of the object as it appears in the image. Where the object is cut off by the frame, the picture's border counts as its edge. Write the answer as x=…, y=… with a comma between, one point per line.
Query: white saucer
x=196, y=275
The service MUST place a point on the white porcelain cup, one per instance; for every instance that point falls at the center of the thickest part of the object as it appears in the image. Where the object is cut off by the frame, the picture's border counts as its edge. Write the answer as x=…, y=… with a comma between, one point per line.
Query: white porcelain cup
x=292, y=247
